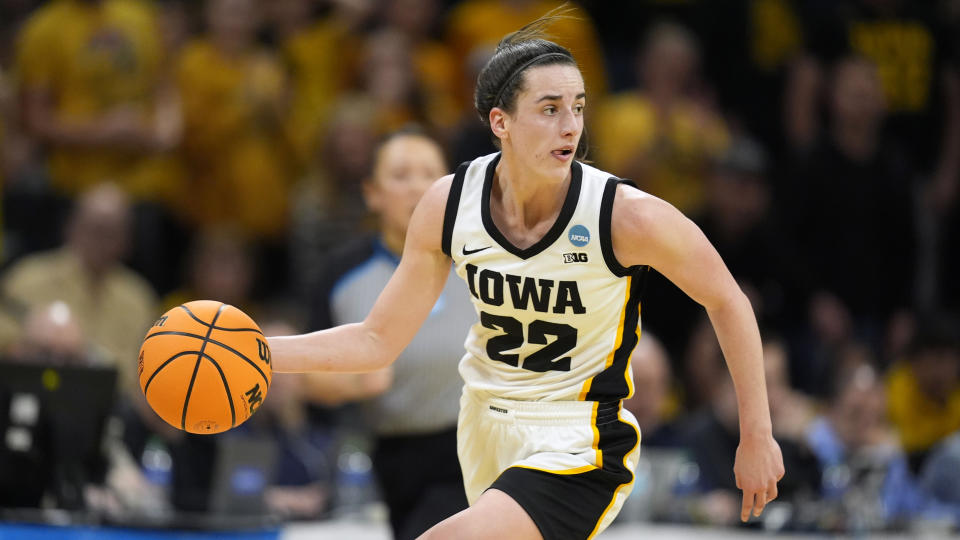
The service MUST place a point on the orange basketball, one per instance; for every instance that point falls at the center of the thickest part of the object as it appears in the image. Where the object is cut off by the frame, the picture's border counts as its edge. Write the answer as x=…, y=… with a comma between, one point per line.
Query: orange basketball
x=204, y=367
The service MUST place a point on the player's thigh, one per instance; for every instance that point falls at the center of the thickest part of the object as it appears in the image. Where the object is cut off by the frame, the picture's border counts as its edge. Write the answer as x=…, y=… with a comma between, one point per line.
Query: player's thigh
x=494, y=516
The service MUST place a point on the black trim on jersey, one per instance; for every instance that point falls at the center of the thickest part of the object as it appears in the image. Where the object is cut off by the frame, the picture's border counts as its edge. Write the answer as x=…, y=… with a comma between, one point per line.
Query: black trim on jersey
x=611, y=383
x=569, y=205
x=453, y=204
x=569, y=506
x=606, y=226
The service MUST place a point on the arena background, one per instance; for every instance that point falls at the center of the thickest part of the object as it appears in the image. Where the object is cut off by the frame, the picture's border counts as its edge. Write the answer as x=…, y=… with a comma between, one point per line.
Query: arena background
x=157, y=152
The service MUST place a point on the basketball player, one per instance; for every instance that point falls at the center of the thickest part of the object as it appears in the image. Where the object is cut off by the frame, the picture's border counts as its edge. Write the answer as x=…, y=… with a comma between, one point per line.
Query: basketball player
x=553, y=252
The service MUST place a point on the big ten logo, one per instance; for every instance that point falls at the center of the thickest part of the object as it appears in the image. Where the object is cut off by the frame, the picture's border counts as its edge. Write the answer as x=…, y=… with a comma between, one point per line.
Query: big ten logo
x=161, y=321
x=263, y=351
x=140, y=364
x=254, y=397
x=574, y=258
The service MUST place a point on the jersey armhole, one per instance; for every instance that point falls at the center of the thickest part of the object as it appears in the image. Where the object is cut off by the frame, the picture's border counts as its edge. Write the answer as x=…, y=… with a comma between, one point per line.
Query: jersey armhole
x=453, y=204
x=606, y=228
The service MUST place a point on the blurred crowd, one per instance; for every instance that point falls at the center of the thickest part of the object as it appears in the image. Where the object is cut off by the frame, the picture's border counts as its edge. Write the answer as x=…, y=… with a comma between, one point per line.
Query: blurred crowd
x=153, y=152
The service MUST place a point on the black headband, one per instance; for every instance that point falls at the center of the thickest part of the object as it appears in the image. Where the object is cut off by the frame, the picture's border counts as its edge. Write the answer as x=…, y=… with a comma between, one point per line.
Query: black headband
x=520, y=69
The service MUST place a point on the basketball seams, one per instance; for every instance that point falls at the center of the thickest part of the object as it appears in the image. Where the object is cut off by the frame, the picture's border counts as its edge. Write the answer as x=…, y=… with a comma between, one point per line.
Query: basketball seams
x=196, y=368
x=215, y=342
x=210, y=325
x=165, y=364
x=226, y=386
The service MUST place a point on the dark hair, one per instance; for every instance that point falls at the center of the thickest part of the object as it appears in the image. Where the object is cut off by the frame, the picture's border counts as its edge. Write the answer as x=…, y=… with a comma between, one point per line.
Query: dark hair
x=501, y=79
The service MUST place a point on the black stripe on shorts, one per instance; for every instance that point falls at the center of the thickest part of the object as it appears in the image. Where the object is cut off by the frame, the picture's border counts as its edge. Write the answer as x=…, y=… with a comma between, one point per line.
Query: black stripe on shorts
x=569, y=506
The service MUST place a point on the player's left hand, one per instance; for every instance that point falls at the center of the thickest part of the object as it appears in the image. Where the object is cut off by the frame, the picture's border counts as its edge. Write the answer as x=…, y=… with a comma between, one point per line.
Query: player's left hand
x=758, y=467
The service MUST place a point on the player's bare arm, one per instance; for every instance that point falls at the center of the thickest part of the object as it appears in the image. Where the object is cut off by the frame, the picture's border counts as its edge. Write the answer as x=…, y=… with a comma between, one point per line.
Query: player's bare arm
x=649, y=231
x=398, y=313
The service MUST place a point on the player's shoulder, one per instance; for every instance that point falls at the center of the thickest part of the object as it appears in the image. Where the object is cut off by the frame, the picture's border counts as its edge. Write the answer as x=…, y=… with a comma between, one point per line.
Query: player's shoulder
x=637, y=213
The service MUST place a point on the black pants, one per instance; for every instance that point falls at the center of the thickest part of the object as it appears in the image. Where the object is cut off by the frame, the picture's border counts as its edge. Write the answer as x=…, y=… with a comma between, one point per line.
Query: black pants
x=421, y=480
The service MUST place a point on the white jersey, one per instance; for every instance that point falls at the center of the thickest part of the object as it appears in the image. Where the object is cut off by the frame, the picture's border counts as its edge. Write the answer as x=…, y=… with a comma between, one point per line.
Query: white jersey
x=557, y=320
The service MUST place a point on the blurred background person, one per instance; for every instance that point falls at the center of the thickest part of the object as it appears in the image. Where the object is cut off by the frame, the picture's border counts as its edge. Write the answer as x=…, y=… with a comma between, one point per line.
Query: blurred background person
x=328, y=207
x=848, y=211
x=867, y=483
x=662, y=134
x=318, y=43
x=434, y=65
x=414, y=422
x=52, y=336
x=91, y=88
x=238, y=159
x=95, y=90
x=655, y=403
x=113, y=305
x=220, y=266
x=924, y=388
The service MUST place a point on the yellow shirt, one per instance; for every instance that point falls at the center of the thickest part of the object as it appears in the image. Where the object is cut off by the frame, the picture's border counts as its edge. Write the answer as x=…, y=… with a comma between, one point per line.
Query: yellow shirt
x=920, y=421
x=479, y=24
x=91, y=59
x=671, y=155
x=115, y=316
x=439, y=76
x=318, y=60
x=234, y=146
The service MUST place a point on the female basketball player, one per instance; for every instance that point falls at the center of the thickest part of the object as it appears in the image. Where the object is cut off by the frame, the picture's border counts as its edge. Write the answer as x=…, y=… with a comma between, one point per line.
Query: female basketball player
x=553, y=252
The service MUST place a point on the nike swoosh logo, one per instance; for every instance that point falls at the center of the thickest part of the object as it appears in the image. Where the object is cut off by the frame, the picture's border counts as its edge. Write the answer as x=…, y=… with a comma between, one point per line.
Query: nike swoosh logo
x=472, y=251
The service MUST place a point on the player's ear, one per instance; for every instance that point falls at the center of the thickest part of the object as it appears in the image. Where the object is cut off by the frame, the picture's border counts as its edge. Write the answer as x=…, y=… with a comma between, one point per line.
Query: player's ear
x=499, y=121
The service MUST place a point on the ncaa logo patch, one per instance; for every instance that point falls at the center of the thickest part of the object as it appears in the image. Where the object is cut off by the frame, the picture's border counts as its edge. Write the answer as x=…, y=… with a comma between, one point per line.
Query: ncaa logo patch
x=579, y=235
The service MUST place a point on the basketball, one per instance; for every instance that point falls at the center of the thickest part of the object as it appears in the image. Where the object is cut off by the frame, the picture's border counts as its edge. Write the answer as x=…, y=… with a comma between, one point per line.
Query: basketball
x=204, y=367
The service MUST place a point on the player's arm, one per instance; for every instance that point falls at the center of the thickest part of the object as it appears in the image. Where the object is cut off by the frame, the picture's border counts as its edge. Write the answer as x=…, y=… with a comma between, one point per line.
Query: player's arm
x=649, y=231
x=398, y=312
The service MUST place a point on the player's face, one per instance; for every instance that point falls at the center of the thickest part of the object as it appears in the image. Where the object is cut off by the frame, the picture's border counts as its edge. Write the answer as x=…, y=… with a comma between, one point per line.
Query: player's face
x=545, y=128
x=405, y=167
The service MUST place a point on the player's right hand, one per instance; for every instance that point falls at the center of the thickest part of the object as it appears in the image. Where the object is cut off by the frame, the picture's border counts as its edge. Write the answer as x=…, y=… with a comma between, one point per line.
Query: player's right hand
x=758, y=468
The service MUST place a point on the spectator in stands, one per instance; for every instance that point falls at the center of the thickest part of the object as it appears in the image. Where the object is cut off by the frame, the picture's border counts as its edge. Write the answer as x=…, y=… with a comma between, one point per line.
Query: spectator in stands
x=859, y=187
x=52, y=336
x=329, y=207
x=867, y=483
x=654, y=403
x=791, y=410
x=113, y=305
x=220, y=267
x=91, y=87
x=390, y=80
x=663, y=135
x=321, y=55
x=235, y=101
x=924, y=389
x=434, y=64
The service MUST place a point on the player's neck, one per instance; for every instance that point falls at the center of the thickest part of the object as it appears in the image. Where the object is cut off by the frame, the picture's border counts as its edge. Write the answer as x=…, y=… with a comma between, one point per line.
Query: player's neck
x=525, y=198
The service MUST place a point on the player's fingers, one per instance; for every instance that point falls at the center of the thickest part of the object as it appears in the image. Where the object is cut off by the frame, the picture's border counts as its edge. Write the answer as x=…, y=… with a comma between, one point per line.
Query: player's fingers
x=772, y=491
x=759, y=503
x=747, y=505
